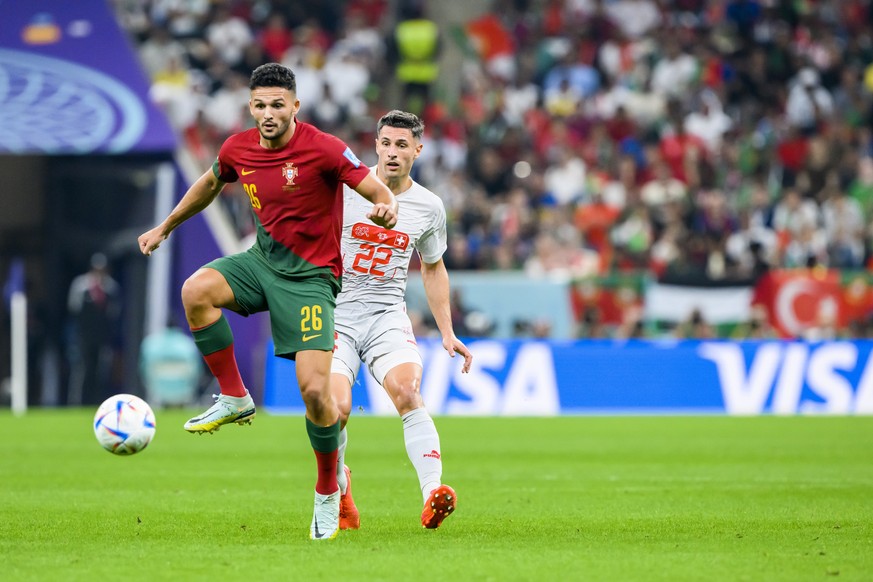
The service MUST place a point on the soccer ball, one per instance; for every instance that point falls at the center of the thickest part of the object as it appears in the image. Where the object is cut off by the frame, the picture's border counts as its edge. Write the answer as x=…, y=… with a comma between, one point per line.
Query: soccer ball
x=124, y=424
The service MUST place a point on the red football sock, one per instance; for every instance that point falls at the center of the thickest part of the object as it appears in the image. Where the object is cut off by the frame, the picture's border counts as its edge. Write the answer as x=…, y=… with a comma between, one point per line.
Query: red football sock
x=326, y=483
x=222, y=364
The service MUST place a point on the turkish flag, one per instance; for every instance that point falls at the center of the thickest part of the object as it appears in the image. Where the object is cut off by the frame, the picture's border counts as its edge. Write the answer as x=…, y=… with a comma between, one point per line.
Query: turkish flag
x=798, y=299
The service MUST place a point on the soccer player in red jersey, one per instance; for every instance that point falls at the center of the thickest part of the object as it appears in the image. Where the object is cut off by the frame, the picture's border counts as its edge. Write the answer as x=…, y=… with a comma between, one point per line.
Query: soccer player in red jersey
x=293, y=175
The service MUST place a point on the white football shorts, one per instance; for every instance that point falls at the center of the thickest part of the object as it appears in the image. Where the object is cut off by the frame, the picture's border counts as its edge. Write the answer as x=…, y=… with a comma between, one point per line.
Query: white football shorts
x=382, y=340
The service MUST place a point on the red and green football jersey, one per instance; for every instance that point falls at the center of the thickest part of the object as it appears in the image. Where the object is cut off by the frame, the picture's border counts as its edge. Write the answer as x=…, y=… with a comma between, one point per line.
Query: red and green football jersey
x=296, y=195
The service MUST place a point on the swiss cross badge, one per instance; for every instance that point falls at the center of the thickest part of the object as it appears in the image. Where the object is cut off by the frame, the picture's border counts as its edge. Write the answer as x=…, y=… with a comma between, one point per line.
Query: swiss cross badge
x=289, y=172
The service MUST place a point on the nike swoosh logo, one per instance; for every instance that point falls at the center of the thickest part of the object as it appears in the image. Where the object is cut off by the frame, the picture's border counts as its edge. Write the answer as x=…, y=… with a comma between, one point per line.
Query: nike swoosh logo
x=306, y=338
x=318, y=535
x=244, y=173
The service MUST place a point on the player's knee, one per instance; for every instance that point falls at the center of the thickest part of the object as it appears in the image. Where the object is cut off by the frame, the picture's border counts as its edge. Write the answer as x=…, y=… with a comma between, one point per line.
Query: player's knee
x=195, y=292
x=406, y=396
x=311, y=395
x=345, y=408
x=314, y=394
x=317, y=406
x=341, y=389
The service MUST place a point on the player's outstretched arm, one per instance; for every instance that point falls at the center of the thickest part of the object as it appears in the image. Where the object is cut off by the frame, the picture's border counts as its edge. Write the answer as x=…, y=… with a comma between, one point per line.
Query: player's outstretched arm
x=384, y=212
x=199, y=196
x=436, y=287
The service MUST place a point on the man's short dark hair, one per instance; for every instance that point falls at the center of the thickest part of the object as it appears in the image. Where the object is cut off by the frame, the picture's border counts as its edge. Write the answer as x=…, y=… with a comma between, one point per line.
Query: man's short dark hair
x=403, y=120
x=273, y=75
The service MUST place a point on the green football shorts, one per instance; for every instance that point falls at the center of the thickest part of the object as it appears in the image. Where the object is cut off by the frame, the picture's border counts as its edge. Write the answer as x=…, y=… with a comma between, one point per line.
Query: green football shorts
x=301, y=310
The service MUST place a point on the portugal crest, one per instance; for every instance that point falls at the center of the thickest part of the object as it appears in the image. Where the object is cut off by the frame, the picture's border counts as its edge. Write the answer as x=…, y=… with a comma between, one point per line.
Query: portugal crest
x=289, y=172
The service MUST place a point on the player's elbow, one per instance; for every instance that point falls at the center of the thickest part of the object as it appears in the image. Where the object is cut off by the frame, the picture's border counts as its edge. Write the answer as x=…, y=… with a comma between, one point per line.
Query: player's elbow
x=433, y=269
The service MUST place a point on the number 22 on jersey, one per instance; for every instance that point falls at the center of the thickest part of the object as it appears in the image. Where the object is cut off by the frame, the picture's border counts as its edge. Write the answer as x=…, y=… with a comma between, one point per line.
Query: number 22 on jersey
x=375, y=256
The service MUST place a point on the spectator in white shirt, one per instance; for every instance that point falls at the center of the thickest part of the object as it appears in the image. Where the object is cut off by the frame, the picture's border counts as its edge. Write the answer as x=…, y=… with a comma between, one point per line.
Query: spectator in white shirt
x=709, y=122
x=519, y=97
x=348, y=77
x=160, y=52
x=183, y=18
x=844, y=226
x=227, y=109
x=229, y=36
x=675, y=71
x=634, y=17
x=794, y=214
x=808, y=101
x=565, y=179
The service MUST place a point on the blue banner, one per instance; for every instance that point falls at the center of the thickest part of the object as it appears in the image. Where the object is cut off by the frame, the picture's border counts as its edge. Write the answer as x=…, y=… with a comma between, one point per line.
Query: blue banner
x=70, y=83
x=543, y=378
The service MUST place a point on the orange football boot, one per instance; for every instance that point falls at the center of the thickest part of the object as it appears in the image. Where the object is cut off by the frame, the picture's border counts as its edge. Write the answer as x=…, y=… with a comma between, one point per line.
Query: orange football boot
x=438, y=506
x=349, y=517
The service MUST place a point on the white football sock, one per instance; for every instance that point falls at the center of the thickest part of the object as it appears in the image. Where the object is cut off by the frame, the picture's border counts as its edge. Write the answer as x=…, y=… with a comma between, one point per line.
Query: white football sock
x=341, y=460
x=423, y=448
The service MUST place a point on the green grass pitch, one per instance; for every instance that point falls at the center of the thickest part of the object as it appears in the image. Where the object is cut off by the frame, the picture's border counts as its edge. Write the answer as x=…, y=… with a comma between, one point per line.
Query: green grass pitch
x=569, y=498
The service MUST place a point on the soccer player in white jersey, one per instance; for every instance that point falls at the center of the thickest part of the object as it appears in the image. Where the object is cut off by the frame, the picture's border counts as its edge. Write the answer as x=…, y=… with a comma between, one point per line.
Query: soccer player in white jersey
x=371, y=321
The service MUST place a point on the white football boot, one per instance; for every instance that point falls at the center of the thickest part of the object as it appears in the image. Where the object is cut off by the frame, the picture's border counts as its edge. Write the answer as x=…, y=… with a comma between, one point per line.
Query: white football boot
x=325, y=518
x=226, y=409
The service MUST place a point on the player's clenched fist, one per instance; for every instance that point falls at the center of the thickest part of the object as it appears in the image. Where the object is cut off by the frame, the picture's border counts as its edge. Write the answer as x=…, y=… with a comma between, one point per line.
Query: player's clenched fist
x=384, y=215
x=149, y=241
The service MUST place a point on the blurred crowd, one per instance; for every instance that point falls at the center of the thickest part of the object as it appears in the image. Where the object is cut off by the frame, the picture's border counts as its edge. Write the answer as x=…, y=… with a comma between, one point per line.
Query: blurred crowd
x=698, y=140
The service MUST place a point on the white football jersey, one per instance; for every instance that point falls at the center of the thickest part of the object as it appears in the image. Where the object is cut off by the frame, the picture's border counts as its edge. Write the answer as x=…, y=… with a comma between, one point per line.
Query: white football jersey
x=376, y=259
